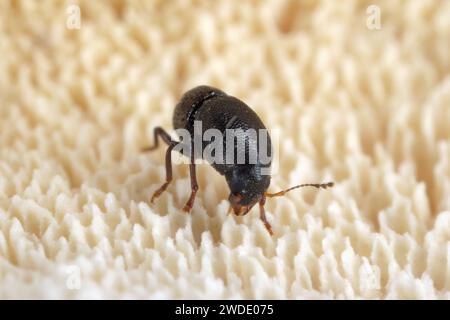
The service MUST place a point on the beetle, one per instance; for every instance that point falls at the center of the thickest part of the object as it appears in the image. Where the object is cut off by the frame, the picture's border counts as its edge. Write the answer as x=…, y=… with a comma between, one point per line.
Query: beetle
x=215, y=109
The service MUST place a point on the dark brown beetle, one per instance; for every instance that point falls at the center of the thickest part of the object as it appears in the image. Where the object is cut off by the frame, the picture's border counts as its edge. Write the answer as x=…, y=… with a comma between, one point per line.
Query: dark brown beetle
x=215, y=109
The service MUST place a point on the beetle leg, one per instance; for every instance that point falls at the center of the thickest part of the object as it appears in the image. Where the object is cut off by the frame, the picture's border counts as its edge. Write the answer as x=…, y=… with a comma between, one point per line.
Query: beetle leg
x=194, y=186
x=262, y=212
x=158, y=192
x=159, y=132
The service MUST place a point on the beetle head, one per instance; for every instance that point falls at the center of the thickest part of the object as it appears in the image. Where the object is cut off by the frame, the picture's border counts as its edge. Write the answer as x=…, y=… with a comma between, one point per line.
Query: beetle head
x=247, y=187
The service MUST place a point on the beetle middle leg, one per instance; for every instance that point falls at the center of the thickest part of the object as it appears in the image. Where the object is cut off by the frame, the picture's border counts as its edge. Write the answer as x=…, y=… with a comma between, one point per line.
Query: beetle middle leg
x=194, y=186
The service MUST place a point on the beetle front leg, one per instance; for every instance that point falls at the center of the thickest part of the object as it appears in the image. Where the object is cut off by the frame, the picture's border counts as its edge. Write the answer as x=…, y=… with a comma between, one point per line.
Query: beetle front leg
x=262, y=212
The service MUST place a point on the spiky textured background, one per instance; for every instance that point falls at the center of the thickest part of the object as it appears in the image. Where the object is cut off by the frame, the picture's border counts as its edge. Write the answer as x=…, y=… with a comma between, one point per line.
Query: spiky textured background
x=369, y=109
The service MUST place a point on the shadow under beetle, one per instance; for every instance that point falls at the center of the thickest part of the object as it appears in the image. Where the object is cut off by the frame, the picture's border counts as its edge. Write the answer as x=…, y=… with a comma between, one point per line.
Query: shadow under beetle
x=215, y=109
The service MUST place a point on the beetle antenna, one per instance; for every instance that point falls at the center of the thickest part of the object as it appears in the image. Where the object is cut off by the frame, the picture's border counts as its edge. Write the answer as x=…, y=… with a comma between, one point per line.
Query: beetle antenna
x=315, y=185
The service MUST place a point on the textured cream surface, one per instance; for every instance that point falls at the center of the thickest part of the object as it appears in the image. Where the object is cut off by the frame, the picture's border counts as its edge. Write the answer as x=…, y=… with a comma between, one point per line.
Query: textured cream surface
x=368, y=109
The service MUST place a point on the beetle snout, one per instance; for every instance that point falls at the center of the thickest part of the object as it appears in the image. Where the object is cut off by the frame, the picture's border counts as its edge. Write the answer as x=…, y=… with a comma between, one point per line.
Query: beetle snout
x=235, y=202
x=240, y=210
